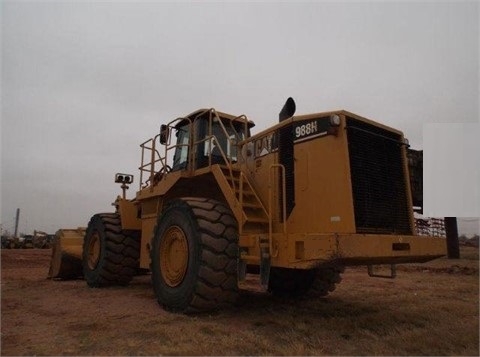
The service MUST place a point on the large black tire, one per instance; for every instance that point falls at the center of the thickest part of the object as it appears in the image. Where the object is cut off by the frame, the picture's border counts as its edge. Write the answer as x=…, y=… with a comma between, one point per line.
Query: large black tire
x=295, y=282
x=284, y=282
x=110, y=255
x=326, y=280
x=203, y=276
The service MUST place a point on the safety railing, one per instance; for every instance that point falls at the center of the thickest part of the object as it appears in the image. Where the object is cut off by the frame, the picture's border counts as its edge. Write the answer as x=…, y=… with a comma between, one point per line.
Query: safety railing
x=153, y=163
x=213, y=140
x=149, y=148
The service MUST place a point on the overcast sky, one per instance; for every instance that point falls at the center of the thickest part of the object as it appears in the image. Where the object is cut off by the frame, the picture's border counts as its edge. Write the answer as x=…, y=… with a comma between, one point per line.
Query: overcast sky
x=83, y=84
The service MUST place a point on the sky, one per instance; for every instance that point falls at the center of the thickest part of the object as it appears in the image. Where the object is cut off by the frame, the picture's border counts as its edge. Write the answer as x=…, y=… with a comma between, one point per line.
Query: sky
x=83, y=84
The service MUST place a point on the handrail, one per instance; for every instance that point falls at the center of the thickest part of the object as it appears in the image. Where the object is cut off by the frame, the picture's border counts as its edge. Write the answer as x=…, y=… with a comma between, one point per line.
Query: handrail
x=141, y=164
x=225, y=132
x=232, y=143
x=240, y=139
x=244, y=177
x=155, y=155
x=245, y=122
x=153, y=160
x=168, y=145
x=153, y=150
x=270, y=204
x=217, y=144
x=212, y=138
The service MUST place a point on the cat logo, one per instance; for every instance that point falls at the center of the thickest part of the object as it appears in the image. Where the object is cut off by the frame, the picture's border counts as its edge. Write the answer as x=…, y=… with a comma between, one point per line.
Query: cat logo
x=266, y=145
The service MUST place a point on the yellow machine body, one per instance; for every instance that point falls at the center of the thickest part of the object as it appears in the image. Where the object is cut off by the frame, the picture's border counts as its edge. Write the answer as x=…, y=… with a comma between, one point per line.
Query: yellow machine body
x=313, y=189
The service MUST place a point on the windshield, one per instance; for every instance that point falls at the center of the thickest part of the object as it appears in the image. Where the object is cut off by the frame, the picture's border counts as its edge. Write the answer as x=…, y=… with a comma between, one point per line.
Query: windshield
x=180, y=157
x=227, y=144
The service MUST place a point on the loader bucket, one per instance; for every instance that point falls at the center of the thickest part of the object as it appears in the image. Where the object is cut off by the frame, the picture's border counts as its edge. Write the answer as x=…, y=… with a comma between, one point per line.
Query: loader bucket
x=66, y=262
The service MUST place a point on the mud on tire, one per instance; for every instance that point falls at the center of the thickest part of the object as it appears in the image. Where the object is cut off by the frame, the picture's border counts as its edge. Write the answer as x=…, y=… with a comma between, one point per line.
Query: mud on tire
x=206, y=277
x=110, y=255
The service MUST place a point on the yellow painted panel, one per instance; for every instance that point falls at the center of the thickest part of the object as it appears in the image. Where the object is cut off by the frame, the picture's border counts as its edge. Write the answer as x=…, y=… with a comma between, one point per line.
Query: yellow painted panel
x=148, y=224
x=128, y=214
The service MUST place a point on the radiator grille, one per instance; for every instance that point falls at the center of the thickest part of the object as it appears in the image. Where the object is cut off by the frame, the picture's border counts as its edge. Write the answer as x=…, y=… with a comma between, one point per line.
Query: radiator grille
x=378, y=180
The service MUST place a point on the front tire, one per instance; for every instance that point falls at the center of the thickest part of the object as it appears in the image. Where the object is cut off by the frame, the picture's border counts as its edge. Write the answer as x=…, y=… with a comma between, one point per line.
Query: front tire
x=194, y=256
x=110, y=255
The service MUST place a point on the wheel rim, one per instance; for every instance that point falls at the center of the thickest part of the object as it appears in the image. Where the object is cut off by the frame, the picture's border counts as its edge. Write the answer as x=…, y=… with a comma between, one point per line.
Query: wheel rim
x=173, y=256
x=93, y=251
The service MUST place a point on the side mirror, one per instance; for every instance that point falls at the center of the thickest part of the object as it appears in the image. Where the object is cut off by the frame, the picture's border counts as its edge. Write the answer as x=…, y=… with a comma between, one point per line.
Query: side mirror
x=164, y=134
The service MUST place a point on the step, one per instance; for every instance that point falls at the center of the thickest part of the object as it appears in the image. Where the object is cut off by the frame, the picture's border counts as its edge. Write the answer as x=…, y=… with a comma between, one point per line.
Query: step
x=235, y=173
x=257, y=220
x=246, y=191
x=249, y=200
x=255, y=212
x=252, y=283
x=252, y=205
x=255, y=228
x=255, y=258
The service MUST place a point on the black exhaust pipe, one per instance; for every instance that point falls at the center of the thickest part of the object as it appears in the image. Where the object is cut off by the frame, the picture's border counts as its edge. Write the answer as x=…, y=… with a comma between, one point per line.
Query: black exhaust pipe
x=288, y=109
x=286, y=157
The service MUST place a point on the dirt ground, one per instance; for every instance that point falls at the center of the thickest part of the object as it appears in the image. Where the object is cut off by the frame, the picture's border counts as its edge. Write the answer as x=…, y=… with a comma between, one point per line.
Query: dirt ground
x=429, y=309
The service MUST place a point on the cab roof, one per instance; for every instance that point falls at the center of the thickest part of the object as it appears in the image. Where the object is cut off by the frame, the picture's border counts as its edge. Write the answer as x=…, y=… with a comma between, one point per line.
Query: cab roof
x=240, y=118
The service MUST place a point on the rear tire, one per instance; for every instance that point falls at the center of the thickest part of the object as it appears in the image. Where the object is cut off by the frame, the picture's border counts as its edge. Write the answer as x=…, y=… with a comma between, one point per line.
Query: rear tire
x=326, y=280
x=110, y=255
x=284, y=282
x=194, y=256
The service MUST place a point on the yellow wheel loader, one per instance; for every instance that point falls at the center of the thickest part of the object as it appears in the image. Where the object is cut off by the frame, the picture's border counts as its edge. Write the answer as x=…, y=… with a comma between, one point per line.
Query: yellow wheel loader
x=294, y=204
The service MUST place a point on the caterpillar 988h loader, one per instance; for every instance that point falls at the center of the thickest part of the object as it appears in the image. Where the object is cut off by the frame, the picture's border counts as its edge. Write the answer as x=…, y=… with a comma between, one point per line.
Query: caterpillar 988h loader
x=295, y=204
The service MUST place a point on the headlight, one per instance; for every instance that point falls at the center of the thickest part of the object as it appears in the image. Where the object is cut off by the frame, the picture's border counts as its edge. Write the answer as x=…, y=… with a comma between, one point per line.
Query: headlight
x=335, y=120
x=123, y=178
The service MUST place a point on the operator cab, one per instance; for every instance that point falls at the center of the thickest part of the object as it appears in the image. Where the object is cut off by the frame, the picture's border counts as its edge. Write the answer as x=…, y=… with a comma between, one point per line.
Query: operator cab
x=206, y=137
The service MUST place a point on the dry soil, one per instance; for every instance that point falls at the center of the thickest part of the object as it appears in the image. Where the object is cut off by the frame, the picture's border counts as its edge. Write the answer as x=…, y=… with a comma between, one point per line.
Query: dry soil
x=429, y=309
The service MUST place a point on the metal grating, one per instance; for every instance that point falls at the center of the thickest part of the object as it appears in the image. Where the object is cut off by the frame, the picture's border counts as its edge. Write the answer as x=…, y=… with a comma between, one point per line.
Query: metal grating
x=378, y=179
x=415, y=167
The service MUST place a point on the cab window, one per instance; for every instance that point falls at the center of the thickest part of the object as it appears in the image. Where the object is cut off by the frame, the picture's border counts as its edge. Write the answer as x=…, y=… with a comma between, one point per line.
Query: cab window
x=180, y=158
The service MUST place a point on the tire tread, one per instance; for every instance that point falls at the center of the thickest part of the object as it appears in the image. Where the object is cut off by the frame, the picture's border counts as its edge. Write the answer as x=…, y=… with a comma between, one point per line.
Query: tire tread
x=122, y=251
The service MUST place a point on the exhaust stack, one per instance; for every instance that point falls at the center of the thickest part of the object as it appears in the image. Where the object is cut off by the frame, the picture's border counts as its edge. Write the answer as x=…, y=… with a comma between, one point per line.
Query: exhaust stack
x=288, y=110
